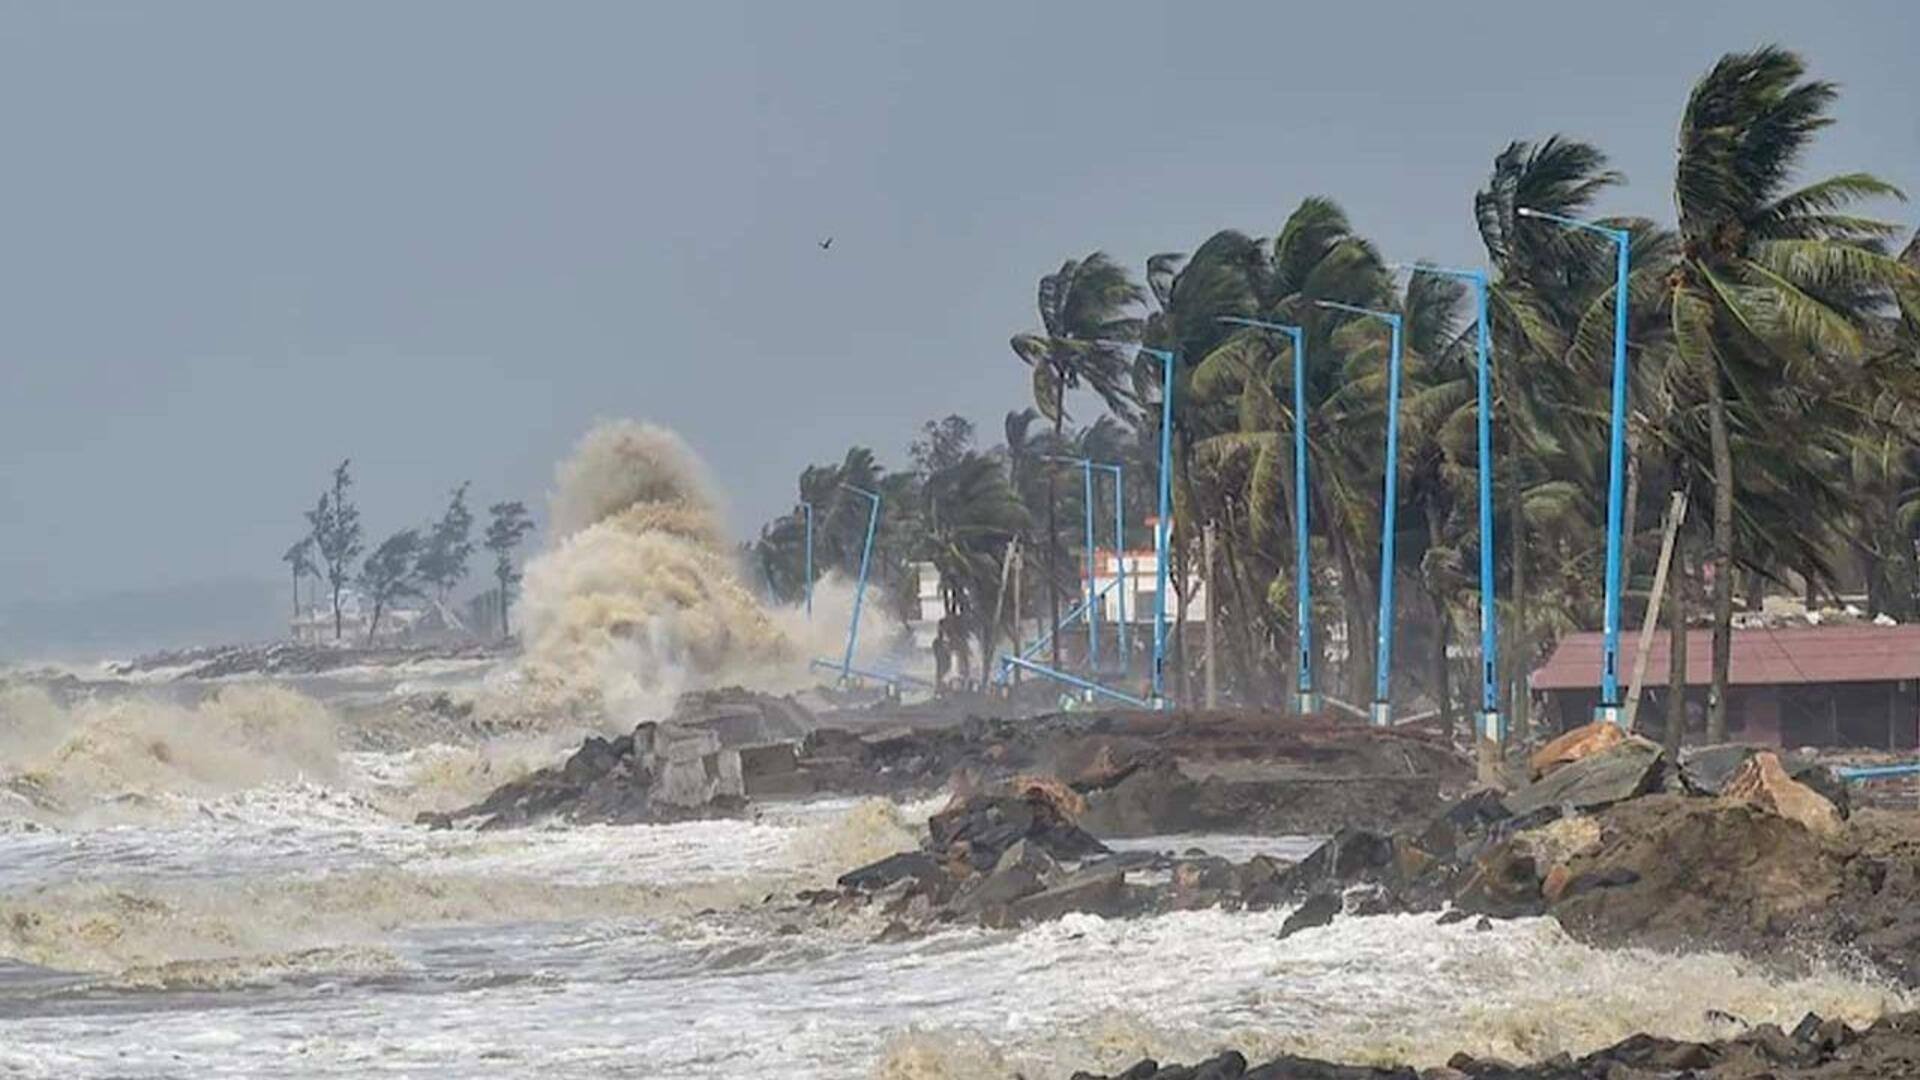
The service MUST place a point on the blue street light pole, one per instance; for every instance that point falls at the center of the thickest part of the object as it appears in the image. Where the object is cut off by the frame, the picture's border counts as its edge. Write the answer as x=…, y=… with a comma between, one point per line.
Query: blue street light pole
x=1490, y=726
x=1161, y=524
x=1617, y=464
x=860, y=590
x=1303, y=582
x=1093, y=584
x=1383, y=640
x=1119, y=555
x=806, y=508
x=1092, y=606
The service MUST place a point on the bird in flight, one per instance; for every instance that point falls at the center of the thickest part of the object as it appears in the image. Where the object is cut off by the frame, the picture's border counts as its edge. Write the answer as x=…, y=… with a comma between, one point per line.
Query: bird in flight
x=827, y=243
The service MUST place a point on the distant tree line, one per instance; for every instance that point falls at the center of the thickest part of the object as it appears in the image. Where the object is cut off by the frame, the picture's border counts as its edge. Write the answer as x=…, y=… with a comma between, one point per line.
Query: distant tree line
x=409, y=564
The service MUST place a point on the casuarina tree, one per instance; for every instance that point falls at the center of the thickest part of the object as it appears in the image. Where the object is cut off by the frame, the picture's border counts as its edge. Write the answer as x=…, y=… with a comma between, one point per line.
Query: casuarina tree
x=299, y=558
x=390, y=574
x=447, y=547
x=336, y=534
x=508, y=525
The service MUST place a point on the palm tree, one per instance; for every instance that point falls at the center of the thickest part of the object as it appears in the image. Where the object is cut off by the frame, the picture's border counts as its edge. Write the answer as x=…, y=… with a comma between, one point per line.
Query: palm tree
x=972, y=512
x=1084, y=306
x=1774, y=295
x=1541, y=281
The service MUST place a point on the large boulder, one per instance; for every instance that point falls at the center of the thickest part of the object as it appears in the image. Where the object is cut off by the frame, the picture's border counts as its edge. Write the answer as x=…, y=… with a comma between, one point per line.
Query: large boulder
x=1763, y=782
x=1707, y=771
x=1582, y=742
x=1628, y=769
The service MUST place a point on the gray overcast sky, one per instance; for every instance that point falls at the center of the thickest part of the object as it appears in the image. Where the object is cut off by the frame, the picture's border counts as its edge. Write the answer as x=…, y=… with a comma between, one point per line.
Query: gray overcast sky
x=242, y=240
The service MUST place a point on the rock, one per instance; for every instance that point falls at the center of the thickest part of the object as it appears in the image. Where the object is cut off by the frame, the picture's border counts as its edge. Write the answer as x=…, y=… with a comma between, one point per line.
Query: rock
x=1581, y=742
x=1762, y=782
x=1095, y=890
x=1627, y=769
x=1316, y=910
x=1706, y=770
x=1069, y=804
x=1555, y=882
x=1826, y=780
x=978, y=829
x=875, y=876
x=1464, y=824
x=1023, y=869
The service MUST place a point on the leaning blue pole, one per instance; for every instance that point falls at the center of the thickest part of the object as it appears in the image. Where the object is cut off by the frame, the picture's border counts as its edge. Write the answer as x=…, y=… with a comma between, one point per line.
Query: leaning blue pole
x=1307, y=701
x=1617, y=461
x=1383, y=640
x=860, y=590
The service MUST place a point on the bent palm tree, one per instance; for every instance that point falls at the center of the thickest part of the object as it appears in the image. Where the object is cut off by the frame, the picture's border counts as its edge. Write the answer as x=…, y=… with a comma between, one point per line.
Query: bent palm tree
x=1083, y=306
x=1775, y=291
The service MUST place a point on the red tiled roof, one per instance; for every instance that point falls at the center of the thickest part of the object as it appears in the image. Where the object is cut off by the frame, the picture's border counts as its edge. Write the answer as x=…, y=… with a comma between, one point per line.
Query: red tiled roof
x=1767, y=657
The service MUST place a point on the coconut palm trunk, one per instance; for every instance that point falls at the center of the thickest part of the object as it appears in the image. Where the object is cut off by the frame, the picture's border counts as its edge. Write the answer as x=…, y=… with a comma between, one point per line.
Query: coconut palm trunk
x=1722, y=558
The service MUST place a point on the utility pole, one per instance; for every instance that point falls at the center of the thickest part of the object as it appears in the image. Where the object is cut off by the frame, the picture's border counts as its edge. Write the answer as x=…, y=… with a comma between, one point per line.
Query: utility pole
x=1676, y=515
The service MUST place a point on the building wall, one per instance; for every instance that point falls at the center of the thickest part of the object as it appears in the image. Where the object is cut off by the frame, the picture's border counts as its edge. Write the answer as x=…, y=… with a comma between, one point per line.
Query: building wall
x=1881, y=715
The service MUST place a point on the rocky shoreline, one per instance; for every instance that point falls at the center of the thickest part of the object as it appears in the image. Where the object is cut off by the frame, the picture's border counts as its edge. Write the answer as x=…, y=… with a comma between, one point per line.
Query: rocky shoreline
x=1815, y=1048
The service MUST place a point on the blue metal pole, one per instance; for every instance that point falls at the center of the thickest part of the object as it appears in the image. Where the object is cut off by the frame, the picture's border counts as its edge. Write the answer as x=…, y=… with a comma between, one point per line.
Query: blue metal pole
x=1491, y=728
x=860, y=590
x=1383, y=662
x=1616, y=486
x=807, y=509
x=1303, y=580
x=1093, y=598
x=1490, y=725
x=1307, y=701
x=1383, y=640
x=1161, y=526
x=1617, y=461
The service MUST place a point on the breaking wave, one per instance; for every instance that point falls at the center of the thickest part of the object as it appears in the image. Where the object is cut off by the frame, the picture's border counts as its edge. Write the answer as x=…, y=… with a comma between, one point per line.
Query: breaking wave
x=638, y=595
x=94, y=756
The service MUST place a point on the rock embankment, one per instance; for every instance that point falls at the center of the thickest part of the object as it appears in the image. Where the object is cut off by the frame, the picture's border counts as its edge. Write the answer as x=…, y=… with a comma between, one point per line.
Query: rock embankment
x=1732, y=849
x=1815, y=1048
x=1150, y=773
x=1139, y=773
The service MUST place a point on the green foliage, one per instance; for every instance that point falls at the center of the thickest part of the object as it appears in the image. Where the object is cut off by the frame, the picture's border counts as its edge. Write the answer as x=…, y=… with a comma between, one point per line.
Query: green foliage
x=389, y=575
x=508, y=524
x=447, y=546
x=335, y=525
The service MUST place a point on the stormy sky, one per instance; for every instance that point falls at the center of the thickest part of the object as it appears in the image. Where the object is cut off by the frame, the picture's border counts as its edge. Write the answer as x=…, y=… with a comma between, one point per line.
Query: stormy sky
x=242, y=241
